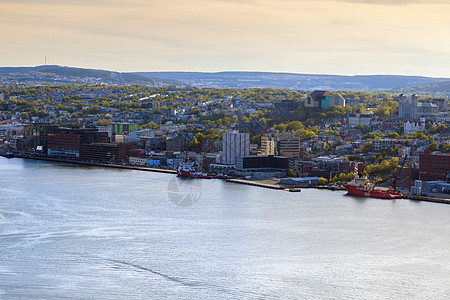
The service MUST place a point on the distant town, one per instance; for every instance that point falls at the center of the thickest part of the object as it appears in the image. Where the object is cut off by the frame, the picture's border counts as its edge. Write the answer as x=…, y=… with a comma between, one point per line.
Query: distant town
x=316, y=137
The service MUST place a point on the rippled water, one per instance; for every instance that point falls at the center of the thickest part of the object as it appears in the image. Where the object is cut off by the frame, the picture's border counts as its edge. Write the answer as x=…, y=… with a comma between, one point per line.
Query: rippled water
x=71, y=232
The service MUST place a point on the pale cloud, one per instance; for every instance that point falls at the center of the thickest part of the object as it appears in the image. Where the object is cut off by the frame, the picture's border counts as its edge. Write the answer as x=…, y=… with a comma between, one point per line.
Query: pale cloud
x=340, y=36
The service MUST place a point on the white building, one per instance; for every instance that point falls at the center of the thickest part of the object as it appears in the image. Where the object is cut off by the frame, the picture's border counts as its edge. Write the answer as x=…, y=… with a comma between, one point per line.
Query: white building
x=411, y=127
x=234, y=144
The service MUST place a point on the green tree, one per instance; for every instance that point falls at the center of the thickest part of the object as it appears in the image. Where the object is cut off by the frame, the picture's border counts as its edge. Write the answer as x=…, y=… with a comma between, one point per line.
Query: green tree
x=393, y=163
x=24, y=116
x=295, y=125
x=350, y=176
x=433, y=147
x=368, y=147
x=308, y=134
x=290, y=173
x=442, y=128
x=371, y=136
x=104, y=122
x=446, y=148
x=393, y=135
x=323, y=181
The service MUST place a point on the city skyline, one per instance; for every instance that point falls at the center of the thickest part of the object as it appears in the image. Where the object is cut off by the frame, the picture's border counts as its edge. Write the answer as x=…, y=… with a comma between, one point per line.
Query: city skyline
x=345, y=37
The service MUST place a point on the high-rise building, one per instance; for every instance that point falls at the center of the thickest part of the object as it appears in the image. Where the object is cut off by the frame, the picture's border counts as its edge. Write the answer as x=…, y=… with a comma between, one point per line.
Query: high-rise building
x=288, y=145
x=234, y=144
x=268, y=145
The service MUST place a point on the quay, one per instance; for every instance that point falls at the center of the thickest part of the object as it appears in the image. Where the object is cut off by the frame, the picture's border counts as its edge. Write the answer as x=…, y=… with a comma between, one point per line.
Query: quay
x=256, y=183
x=86, y=163
x=426, y=199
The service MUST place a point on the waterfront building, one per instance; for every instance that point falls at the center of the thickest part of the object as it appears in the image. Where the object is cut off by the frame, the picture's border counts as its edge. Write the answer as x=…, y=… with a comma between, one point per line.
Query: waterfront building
x=328, y=167
x=262, y=165
x=65, y=142
x=299, y=181
x=234, y=145
x=144, y=161
x=105, y=152
x=35, y=135
x=434, y=166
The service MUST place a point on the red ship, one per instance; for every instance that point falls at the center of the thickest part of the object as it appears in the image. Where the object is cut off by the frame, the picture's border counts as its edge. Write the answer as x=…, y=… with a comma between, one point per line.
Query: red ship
x=362, y=187
x=188, y=170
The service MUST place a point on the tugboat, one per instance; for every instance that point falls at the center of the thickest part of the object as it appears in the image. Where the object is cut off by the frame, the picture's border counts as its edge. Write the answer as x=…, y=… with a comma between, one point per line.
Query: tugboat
x=188, y=170
x=362, y=187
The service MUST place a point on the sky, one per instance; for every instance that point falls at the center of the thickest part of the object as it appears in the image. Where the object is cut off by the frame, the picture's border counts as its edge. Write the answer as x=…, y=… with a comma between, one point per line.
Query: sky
x=349, y=37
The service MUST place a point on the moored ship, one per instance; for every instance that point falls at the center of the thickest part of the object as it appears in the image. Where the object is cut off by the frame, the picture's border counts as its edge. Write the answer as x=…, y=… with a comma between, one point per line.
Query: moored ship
x=188, y=170
x=362, y=187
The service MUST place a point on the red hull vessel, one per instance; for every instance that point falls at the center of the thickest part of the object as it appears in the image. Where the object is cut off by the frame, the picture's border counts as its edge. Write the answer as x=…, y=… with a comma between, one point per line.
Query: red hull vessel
x=189, y=171
x=362, y=187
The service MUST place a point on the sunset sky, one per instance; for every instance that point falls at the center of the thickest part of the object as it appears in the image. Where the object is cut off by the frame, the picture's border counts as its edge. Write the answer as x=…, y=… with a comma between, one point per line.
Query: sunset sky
x=301, y=36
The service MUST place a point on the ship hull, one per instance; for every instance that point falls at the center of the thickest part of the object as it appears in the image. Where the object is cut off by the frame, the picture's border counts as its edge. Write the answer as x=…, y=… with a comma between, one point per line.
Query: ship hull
x=374, y=193
x=189, y=174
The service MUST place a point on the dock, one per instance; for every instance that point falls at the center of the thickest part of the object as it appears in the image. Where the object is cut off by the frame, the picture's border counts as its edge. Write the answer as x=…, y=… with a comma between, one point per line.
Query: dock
x=256, y=183
x=426, y=199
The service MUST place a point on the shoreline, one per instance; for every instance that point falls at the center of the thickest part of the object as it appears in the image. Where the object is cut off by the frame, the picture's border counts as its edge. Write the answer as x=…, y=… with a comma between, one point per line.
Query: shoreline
x=255, y=183
x=86, y=163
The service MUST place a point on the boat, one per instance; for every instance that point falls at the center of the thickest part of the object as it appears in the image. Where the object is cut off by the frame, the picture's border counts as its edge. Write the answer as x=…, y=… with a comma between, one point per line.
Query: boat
x=9, y=154
x=188, y=170
x=363, y=187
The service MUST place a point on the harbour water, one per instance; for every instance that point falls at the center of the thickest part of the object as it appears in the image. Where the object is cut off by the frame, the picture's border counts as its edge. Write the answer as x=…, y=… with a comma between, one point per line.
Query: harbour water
x=72, y=232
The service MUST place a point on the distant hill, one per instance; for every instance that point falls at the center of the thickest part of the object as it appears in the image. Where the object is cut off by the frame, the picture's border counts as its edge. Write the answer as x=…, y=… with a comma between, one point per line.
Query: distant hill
x=435, y=89
x=53, y=74
x=295, y=81
x=69, y=75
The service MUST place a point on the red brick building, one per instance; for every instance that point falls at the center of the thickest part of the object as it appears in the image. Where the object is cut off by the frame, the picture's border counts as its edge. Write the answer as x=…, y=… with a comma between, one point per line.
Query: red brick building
x=105, y=152
x=66, y=142
x=434, y=166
